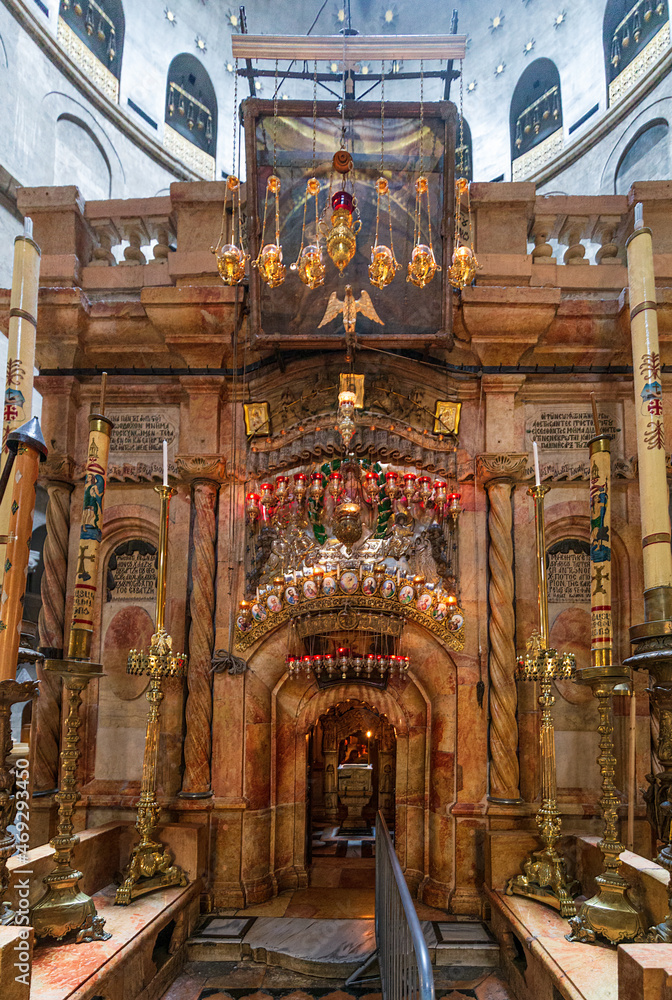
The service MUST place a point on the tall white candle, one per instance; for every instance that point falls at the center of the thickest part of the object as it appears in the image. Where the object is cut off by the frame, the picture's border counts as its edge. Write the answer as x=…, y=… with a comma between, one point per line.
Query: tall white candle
x=165, y=462
x=537, y=477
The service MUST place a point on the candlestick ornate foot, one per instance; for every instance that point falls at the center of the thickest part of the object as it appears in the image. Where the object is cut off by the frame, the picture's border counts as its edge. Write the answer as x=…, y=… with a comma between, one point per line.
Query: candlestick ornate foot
x=11, y=693
x=152, y=865
x=653, y=644
x=64, y=907
x=609, y=913
x=544, y=875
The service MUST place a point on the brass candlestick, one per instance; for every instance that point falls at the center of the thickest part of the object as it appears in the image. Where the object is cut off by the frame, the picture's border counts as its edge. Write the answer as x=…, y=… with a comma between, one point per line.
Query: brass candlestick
x=11, y=693
x=544, y=875
x=152, y=865
x=64, y=906
x=609, y=913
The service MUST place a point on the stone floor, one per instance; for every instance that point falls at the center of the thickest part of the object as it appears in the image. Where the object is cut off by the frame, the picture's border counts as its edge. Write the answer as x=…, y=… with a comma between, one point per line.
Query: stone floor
x=255, y=981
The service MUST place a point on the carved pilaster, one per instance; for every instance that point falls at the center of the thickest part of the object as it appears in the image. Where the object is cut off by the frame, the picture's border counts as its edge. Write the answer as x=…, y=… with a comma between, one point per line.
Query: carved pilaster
x=51, y=625
x=497, y=472
x=198, y=741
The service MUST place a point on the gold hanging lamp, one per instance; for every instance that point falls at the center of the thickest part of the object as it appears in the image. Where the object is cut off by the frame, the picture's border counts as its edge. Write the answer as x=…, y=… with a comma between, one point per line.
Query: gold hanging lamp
x=384, y=264
x=464, y=264
x=231, y=257
x=422, y=266
x=269, y=260
x=309, y=262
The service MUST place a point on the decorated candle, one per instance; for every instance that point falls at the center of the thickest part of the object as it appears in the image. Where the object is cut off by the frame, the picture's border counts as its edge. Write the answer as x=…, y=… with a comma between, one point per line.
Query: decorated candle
x=20, y=351
x=652, y=459
x=600, y=552
x=90, y=536
x=28, y=444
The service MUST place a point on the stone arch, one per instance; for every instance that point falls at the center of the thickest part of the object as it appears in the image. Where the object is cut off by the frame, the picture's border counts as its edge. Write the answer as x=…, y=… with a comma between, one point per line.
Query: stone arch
x=535, y=115
x=646, y=157
x=80, y=158
x=59, y=105
x=278, y=713
x=660, y=109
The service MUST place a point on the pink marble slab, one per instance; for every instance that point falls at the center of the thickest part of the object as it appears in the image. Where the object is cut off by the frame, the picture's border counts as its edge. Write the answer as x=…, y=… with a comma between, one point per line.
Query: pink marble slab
x=63, y=971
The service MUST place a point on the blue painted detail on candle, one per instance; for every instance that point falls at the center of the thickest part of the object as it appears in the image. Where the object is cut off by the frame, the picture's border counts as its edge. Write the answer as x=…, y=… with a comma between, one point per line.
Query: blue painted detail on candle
x=93, y=507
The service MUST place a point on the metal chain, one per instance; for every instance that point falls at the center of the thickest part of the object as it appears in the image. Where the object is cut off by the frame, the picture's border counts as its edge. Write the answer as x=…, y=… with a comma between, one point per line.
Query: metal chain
x=275, y=117
x=235, y=115
x=462, y=174
x=422, y=115
x=314, y=110
x=382, y=117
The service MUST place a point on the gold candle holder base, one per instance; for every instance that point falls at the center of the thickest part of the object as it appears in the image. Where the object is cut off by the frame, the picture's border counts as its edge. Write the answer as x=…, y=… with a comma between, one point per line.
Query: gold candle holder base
x=544, y=876
x=11, y=693
x=152, y=866
x=609, y=913
x=653, y=653
x=65, y=908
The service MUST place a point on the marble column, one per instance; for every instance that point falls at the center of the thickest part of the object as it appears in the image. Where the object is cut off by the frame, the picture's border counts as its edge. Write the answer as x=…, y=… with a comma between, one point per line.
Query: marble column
x=196, y=782
x=497, y=473
x=51, y=624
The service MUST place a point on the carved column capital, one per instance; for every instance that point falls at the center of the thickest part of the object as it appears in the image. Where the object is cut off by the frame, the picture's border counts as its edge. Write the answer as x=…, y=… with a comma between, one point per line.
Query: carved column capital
x=499, y=468
x=202, y=468
x=57, y=469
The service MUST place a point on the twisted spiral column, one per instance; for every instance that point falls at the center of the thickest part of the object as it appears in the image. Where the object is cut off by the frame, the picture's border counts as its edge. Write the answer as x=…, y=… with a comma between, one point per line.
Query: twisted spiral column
x=198, y=742
x=51, y=637
x=498, y=472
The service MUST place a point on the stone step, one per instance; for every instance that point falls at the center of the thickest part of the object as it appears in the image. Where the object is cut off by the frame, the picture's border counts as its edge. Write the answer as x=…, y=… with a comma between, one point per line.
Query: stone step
x=332, y=949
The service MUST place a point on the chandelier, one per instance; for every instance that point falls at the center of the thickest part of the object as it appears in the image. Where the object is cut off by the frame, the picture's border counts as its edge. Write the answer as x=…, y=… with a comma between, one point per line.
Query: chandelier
x=347, y=661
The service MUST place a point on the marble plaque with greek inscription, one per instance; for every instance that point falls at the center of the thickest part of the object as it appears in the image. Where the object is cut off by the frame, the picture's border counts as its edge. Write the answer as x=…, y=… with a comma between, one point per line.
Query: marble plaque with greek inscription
x=562, y=432
x=131, y=572
x=137, y=441
x=568, y=572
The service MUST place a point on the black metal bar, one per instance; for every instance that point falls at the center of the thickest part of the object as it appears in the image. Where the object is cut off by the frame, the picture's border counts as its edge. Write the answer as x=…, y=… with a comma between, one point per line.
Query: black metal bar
x=435, y=74
x=249, y=72
x=450, y=75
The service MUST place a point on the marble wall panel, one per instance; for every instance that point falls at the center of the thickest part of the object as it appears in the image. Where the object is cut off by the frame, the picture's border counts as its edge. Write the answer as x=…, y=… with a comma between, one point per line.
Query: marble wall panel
x=228, y=735
x=258, y=765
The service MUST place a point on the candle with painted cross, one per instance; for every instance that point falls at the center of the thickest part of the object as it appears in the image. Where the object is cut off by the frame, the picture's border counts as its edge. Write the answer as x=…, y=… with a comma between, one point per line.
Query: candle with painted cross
x=28, y=445
x=18, y=406
x=601, y=630
x=90, y=534
x=652, y=459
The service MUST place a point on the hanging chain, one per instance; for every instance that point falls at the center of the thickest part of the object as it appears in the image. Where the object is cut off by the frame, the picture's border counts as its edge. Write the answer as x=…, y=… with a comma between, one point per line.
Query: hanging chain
x=462, y=170
x=235, y=115
x=422, y=116
x=275, y=156
x=314, y=110
x=382, y=117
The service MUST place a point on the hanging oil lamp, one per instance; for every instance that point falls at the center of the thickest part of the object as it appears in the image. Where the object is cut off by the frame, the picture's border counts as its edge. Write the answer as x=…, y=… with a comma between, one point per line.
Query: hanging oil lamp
x=464, y=264
x=345, y=421
x=231, y=258
x=309, y=262
x=422, y=266
x=384, y=264
x=341, y=238
x=269, y=260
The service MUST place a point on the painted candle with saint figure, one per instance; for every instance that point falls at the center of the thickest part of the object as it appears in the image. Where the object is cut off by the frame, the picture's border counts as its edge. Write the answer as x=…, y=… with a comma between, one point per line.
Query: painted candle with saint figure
x=651, y=456
x=28, y=445
x=601, y=630
x=90, y=535
x=18, y=405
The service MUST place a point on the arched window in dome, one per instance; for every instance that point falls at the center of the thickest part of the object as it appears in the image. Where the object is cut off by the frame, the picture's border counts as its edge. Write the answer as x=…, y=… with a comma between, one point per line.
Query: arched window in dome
x=190, y=131
x=646, y=157
x=92, y=34
x=464, y=163
x=535, y=119
x=635, y=34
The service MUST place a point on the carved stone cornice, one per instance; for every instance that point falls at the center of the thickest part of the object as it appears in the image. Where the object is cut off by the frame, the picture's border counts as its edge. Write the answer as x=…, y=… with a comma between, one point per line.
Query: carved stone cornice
x=501, y=467
x=211, y=468
x=58, y=469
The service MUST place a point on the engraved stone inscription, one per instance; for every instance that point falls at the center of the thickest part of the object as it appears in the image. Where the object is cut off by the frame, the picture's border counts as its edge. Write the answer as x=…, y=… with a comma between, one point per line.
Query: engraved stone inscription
x=568, y=571
x=137, y=441
x=132, y=570
x=562, y=432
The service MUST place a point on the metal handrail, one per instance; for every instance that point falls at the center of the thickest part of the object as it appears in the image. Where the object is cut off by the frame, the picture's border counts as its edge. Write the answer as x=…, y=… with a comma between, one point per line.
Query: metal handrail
x=403, y=956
